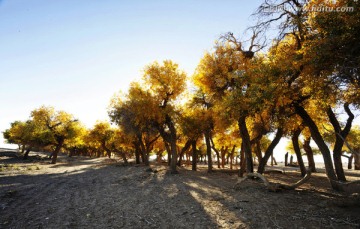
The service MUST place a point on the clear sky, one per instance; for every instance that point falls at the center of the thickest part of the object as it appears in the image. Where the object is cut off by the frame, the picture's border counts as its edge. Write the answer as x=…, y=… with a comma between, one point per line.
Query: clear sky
x=75, y=54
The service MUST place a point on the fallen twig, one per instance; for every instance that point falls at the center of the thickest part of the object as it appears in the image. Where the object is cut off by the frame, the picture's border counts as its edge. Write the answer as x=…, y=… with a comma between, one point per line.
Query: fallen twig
x=275, y=187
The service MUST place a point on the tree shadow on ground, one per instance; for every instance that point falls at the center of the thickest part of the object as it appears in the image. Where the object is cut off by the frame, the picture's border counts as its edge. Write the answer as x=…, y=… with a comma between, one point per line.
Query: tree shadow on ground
x=107, y=194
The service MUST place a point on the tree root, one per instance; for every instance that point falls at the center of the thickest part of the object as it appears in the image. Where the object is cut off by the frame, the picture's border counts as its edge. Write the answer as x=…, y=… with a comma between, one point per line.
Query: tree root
x=347, y=187
x=276, y=187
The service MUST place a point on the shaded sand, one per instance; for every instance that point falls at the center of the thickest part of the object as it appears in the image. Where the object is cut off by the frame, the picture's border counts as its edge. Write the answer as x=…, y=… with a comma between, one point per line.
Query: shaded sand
x=102, y=193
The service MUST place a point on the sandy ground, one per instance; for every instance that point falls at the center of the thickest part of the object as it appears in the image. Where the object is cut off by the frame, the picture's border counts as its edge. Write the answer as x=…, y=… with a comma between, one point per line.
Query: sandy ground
x=102, y=193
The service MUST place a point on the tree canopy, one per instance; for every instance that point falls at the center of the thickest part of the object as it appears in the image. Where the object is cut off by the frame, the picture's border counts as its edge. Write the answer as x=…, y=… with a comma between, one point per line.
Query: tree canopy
x=244, y=90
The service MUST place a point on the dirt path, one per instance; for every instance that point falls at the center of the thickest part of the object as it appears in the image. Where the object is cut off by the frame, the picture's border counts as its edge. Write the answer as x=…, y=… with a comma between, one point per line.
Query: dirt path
x=101, y=193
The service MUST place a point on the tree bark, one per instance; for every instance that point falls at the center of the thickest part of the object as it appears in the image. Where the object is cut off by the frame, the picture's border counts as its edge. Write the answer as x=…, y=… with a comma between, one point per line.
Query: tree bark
x=137, y=155
x=26, y=154
x=309, y=154
x=295, y=142
x=232, y=157
x=123, y=156
x=143, y=150
x=242, y=161
x=244, y=133
x=183, y=150
x=216, y=151
x=22, y=149
x=208, y=150
x=168, y=150
x=340, y=134
x=357, y=161
x=258, y=150
x=107, y=150
x=194, y=155
x=350, y=159
x=173, y=148
x=223, y=153
x=270, y=150
x=315, y=133
x=273, y=159
x=57, y=150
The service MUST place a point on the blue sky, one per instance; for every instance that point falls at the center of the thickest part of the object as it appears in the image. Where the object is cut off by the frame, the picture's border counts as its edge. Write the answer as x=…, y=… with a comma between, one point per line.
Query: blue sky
x=74, y=55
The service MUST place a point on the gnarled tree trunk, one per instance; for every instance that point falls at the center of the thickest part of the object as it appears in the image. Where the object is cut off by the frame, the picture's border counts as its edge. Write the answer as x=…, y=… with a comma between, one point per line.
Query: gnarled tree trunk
x=194, y=155
x=137, y=154
x=341, y=135
x=57, y=150
x=295, y=142
x=223, y=153
x=183, y=150
x=357, y=161
x=232, y=157
x=216, y=151
x=258, y=150
x=315, y=133
x=244, y=133
x=309, y=154
x=26, y=154
x=208, y=150
x=242, y=162
x=270, y=150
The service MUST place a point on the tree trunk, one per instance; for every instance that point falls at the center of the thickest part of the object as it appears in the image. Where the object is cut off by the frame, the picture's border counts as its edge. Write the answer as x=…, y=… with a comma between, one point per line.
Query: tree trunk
x=107, y=150
x=350, y=161
x=56, y=151
x=183, y=150
x=341, y=135
x=194, y=155
x=142, y=158
x=273, y=159
x=217, y=156
x=22, y=149
x=244, y=133
x=143, y=151
x=270, y=150
x=137, y=155
x=159, y=156
x=223, y=153
x=173, y=156
x=242, y=162
x=26, y=154
x=168, y=150
x=145, y=156
x=123, y=156
x=208, y=150
x=216, y=151
x=320, y=143
x=295, y=142
x=232, y=157
x=309, y=154
x=286, y=158
x=357, y=161
x=173, y=147
x=339, y=167
x=258, y=150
